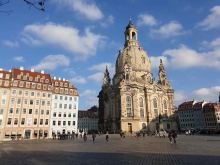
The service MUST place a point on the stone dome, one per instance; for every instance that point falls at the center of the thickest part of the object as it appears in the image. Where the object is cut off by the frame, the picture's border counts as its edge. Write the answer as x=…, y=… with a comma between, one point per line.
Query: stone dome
x=132, y=55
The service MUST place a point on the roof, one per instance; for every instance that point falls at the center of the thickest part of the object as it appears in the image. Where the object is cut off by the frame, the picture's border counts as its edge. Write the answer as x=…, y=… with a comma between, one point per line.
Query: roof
x=130, y=25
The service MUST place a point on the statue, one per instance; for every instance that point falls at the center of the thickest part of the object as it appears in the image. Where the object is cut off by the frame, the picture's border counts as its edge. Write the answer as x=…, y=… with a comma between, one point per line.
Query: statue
x=162, y=74
x=106, y=79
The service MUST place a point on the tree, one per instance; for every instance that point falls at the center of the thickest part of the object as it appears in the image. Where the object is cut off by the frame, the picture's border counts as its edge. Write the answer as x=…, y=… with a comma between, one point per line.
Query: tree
x=37, y=4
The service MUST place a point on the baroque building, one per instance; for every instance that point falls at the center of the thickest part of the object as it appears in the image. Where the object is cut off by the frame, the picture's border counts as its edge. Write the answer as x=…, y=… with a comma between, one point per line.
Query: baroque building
x=134, y=100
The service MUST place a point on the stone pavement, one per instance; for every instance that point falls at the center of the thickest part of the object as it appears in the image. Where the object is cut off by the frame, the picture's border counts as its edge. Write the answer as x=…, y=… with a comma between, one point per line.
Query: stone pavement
x=149, y=150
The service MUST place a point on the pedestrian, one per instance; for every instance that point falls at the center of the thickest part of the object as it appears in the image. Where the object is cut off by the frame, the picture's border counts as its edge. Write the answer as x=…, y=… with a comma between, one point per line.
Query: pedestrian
x=174, y=136
x=84, y=137
x=143, y=134
x=107, y=136
x=93, y=136
x=170, y=136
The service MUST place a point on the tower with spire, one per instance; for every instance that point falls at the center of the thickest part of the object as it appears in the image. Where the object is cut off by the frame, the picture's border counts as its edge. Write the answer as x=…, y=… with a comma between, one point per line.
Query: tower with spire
x=106, y=78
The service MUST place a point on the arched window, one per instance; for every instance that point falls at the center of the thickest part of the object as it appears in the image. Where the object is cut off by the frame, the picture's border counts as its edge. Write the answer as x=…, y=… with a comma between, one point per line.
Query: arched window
x=129, y=106
x=165, y=106
x=127, y=37
x=155, y=106
x=141, y=102
x=134, y=37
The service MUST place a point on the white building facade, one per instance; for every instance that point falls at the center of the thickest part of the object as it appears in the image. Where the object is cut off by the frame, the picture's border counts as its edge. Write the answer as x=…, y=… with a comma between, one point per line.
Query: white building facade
x=64, y=113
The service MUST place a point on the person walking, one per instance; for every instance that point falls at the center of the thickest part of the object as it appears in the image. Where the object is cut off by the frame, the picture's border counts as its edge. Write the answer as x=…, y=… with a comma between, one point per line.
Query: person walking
x=93, y=136
x=107, y=136
x=170, y=136
x=84, y=137
x=174, y=136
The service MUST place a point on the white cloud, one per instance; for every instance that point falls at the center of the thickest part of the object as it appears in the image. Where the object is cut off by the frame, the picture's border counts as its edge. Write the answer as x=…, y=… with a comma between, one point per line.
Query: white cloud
x=78, y=80
x=185, y=57
x=89, y=98
x=212, y=20
x=207, y=94
x=155, y=61
x=108, y=21
x=66, y=37
x=19, y=59
x=97, y=77
x=85, y=8
x=146, y=19
x=215, y=43
x=51, y=62
x=10, y=44
x=170, y=29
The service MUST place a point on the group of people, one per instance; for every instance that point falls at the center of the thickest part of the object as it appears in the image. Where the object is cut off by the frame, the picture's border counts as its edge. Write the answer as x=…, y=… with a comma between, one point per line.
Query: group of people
x=172, y=135
x=64, y=136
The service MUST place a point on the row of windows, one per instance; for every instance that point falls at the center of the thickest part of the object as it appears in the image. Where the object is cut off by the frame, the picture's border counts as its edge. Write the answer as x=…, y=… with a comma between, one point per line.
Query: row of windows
x=30, y=102
x=141, y=104
x=64, y=123
x=7, y=76
x=30, y=78
x=187, y=125
x=66, y=98
x=31, y=93
x=64, y=115
x=22, y=122
x=186, y=120
x=29, y=111
x=33, y=85
x=65, y=106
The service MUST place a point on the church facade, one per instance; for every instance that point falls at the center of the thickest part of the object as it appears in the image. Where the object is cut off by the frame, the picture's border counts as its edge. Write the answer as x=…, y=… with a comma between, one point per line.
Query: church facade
x=134, y=100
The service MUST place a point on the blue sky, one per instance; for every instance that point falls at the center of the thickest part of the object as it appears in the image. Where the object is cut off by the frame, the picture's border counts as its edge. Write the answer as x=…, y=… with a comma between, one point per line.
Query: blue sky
x=76, y=39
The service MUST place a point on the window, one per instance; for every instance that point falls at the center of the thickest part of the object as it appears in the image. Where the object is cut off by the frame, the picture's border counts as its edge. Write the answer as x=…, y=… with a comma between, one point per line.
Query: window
x=74, y=122
x=32, y=93
x=48, y=103
x=20, y=92
x=54, y=122
x=64, y=115
x=38, y=86
x=65, y=97
x=75, y=98
x=165, y=106
x=46, y=122
x=1, y=111
x=65, y=106
x=141, y=102
x=70, y=106
x=55, y=105
x=17, y=110
x=70, y=98
x=42, y=112
x=59, y=115
x=43, y=103
x=37, y=102
x=74, y=106
x=74, y=115
x=26, y=93
x=54, y=114
x=3, y=101
x=69, y=123
x=12, y=100
x=19, y=101
x=31, y=102
x=41, y=121
x=38, y=94
x=64, y=123
x=14, y=92
x=11, y=110
x=128, y=106
x=36, y=111
x=69, y=115
x=61, y=97
x=155, y=107
x=35, y=121
x=16, y=121
x=47, y=112
x=44, y=87
x=59, y=122
x=25, y=101
x=30, y=111
x=60, y=106
x=56, y=97
x=9, y=121
x=22, y=121
x=24, y=111
x=44, y=94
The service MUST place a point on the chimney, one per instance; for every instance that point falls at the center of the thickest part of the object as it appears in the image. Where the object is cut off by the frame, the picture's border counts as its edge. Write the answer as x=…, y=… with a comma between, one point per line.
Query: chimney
x=54, y=78
x=59, y=78
x=42, y=71
x=32, y=69
x=64, y=79
x=21, y=68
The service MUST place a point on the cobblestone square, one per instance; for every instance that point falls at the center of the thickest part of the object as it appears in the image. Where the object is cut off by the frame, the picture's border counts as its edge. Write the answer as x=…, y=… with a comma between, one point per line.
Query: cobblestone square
x=131, y=150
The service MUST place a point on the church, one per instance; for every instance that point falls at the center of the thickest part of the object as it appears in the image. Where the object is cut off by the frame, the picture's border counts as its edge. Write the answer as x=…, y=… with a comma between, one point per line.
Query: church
x=134, y=100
